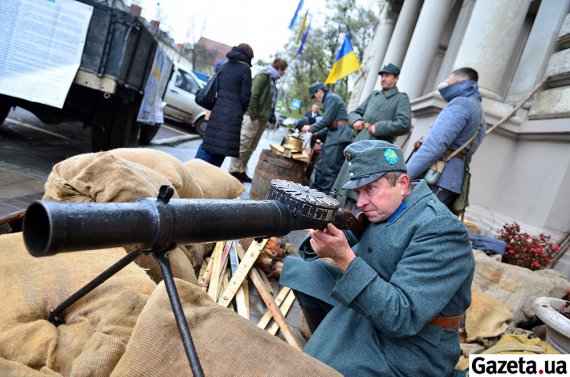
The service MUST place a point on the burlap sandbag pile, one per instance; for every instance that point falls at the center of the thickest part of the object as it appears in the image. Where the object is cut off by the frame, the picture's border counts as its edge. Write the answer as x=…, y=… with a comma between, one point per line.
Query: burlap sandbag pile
x=515, y=286
x=125, y=327
x=128, y=174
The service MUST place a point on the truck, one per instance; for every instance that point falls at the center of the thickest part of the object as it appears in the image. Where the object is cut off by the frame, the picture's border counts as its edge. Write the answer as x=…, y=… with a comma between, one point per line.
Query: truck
x=118, y=63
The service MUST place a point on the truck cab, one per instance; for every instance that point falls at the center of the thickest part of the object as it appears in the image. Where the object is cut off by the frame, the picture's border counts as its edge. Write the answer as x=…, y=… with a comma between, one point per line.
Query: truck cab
x=180, y=98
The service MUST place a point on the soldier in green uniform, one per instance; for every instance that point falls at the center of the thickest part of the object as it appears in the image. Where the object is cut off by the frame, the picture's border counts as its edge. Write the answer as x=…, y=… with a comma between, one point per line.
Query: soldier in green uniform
x=339, y=136
x=384, y=115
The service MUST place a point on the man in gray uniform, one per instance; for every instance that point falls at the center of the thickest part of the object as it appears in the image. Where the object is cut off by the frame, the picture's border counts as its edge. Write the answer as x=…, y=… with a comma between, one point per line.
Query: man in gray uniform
x=391, y=302
x=339, y=135
x=384, y=115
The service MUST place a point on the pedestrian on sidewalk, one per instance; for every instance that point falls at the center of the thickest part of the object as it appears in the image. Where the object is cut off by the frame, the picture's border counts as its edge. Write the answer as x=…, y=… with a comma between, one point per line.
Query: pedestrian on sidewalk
x=261, y=109
x=384, y=115
x=224, y=124
x=391, y=302
x=338, y=136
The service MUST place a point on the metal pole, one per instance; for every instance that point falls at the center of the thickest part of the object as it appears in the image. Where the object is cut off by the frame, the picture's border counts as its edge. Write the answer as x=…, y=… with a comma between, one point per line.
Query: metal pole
x=189, y=348
x=55, y=314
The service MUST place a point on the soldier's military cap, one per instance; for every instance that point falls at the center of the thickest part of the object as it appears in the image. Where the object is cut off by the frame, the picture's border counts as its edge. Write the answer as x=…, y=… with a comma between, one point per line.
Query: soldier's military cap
x=369, y=160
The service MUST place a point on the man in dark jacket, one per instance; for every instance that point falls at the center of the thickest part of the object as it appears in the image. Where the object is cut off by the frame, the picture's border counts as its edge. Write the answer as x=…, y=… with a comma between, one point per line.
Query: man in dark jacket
x=261, y=109
x=390, y=305
x=339, y=135
x=461, y=119
x=384, y=115
x=310, y=117
x=234, y=89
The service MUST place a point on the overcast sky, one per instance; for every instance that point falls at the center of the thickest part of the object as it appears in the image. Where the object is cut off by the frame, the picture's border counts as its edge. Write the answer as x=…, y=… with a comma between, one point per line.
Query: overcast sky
x=263, y=24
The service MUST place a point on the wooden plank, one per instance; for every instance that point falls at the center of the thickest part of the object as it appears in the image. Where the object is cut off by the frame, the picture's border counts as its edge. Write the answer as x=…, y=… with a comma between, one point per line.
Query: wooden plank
x=265, y=280
x=207, y=274
x=216, y=267
x=240, y=301
x=245, y=284
x=241, y=274
x=264, y=321
x=284, y=309
x=223, y=269
x=286, y=330
x=202, y=271
x=14, y=216
x=225, y=281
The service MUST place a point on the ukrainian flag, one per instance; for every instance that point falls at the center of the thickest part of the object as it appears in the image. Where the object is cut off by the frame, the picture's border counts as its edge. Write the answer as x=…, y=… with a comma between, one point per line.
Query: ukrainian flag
x=346, y=62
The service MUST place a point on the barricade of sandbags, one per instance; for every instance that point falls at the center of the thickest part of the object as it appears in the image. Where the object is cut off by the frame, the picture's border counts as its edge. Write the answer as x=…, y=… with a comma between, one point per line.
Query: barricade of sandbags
x=125, y=327
x=128, y=174
x=515, y=286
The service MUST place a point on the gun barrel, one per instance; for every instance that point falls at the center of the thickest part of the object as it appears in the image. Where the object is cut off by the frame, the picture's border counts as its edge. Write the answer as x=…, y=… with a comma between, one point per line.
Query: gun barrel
x=52, y=227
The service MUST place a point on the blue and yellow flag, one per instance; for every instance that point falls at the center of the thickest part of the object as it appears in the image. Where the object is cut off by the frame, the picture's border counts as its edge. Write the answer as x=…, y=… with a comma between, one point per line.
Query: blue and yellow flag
x=346, y=62
x=302, y=28
x=303, y=39
x=292, y=23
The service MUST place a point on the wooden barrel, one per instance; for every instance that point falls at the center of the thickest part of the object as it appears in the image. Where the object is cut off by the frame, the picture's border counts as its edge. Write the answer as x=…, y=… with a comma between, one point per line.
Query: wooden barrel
x=272, y=166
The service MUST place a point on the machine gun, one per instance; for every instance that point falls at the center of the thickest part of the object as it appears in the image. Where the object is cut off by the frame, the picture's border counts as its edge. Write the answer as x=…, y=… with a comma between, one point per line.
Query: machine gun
x=157, y=225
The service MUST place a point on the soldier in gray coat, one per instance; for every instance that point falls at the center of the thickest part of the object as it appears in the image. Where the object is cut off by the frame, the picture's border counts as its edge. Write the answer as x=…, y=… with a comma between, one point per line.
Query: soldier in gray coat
x=384, y=115
x=391, y=303
x=339, y=135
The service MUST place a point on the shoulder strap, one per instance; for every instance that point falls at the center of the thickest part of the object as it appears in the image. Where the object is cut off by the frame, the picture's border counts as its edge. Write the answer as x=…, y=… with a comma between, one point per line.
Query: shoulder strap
x=472, y=138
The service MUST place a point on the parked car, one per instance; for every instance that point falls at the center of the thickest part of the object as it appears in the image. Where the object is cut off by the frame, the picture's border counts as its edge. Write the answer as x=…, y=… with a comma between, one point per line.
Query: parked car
x=180, y=98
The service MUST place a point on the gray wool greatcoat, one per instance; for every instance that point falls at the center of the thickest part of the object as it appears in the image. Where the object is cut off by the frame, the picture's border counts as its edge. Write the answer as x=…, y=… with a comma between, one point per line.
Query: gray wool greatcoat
x=332, y=157
x=415, y=266
x=391, y=112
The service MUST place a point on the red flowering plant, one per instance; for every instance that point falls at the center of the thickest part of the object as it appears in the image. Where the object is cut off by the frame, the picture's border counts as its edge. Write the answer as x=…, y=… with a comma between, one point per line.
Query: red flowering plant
x=532, y=252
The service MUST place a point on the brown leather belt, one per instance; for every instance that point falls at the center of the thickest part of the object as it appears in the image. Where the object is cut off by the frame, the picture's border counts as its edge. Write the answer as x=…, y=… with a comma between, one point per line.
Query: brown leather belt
x=447, y=322
x=459, y=155
x=337, y=123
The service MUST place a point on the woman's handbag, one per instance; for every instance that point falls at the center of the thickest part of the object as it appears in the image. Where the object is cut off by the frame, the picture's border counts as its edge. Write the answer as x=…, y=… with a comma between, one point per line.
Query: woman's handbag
x=206, y=97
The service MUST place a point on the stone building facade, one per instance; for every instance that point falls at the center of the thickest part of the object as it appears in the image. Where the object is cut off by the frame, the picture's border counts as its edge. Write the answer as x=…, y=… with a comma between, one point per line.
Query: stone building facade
x=521, y=171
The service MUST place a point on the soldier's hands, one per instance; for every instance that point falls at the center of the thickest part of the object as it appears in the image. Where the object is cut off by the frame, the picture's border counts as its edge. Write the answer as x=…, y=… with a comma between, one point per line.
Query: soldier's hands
x=358, y=125
x=332, y=243
x=372, y=129
x=305, y=128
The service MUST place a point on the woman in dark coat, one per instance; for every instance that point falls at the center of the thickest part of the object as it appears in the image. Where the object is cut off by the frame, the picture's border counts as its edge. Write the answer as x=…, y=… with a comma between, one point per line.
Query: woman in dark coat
x=234, y=90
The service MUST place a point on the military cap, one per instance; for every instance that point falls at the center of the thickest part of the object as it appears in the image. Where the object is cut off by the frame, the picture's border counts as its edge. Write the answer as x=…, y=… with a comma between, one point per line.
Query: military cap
x=316, y=86
x=369, y=160
x=390, y=68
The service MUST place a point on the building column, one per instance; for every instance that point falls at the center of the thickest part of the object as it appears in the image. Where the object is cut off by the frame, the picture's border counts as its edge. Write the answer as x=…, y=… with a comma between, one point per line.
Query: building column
x=455, y=41
x=382, y=38
x=539, y=48
x=402, y=32
x=423, y=46
x=490, y=40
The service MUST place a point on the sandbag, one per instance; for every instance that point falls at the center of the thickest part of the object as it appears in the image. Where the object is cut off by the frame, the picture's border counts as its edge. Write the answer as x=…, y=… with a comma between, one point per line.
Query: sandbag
x=215, y=182
x=227, y=344
x=97, y=327
x=516, y=287
x=486, y=317
x=102, y=177
x=167, y=165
